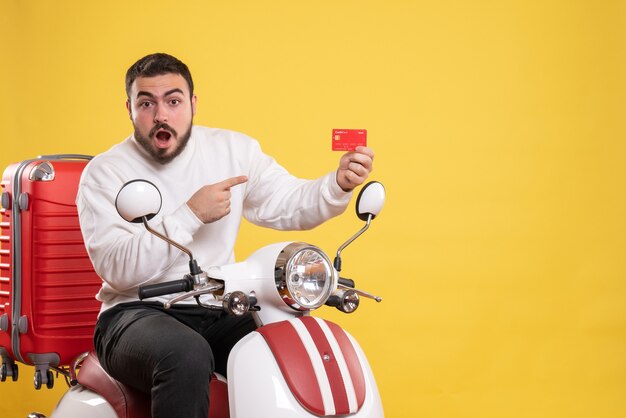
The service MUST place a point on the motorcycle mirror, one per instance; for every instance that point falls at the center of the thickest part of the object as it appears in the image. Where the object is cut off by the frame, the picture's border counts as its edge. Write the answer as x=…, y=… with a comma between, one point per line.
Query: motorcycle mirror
x=370, y=200
x=138, y=199
x=369, y=203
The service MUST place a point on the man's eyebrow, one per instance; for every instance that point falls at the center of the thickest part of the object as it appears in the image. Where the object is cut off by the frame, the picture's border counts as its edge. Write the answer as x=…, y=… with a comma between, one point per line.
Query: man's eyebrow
x=176, y=90
x=145, y=93
x=167, y=93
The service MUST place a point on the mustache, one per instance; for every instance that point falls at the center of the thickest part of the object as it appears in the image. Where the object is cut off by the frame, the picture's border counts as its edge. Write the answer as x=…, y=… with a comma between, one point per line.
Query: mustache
x=163, y=126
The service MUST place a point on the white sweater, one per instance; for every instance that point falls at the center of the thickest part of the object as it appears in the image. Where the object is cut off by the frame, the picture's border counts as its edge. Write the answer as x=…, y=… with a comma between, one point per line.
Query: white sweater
x=126, y=256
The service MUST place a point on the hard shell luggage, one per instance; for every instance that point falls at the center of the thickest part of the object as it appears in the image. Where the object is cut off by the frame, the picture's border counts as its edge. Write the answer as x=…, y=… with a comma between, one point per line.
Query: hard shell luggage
x=47, y=283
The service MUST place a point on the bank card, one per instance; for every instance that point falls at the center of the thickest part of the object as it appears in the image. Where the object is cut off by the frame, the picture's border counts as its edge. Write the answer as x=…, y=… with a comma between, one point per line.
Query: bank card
x=349, y=139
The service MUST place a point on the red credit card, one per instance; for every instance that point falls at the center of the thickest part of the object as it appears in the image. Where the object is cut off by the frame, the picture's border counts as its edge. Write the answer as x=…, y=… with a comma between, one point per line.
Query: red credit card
x=349, y=139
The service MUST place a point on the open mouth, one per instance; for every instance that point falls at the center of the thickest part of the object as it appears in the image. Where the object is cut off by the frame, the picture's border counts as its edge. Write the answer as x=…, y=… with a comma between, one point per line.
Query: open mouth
x=162, y=138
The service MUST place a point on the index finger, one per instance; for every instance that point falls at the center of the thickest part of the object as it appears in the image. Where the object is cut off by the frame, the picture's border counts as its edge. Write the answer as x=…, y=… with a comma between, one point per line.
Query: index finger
x=233, y=181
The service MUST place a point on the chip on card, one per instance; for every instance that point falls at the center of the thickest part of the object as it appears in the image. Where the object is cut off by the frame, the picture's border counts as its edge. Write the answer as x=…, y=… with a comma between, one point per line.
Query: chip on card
x=349, y=139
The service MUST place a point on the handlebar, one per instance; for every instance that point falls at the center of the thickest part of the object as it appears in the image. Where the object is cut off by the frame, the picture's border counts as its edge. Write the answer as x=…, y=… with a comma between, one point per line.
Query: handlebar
x=166, y=288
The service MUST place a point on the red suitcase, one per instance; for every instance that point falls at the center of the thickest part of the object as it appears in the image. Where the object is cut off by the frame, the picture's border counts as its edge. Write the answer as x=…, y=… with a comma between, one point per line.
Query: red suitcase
x=47, y=283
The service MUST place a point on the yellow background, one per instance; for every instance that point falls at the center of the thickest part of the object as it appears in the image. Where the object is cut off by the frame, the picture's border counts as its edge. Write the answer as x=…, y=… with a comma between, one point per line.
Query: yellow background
x=499, y=133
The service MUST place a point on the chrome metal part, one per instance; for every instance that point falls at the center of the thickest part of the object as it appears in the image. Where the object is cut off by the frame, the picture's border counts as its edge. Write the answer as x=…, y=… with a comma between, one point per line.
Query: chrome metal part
x=285, y=278
x=73, y=372
x=43, y=171
x=166, y=239
x=201, y=279
x=361, y=293
x=349, y=301
x=212, y=286
x=236, y=303
x=337, y=263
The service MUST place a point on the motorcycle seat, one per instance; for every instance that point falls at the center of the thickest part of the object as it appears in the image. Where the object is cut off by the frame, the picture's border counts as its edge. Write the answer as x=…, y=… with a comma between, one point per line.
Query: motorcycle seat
x=128, y=402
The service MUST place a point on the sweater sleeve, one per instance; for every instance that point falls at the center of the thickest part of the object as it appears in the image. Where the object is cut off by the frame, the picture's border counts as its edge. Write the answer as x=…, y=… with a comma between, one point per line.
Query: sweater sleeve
x=276, y=199
x=126, y=255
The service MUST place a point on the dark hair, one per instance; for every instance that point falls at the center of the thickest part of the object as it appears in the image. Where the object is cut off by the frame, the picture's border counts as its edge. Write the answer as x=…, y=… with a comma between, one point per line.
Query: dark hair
x=158, y=64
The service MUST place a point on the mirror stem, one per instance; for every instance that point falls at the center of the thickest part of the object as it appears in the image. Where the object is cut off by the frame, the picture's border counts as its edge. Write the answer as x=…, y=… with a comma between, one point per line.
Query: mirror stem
x=193, y=265
x=166, y=239
x=337, y=261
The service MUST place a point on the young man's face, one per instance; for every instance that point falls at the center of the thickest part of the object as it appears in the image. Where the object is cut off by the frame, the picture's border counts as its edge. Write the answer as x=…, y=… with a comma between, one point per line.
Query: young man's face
x=162, y=113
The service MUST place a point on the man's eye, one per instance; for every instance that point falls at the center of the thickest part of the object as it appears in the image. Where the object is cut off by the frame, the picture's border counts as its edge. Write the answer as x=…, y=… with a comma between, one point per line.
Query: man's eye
x=174, y=102
x=145, y=104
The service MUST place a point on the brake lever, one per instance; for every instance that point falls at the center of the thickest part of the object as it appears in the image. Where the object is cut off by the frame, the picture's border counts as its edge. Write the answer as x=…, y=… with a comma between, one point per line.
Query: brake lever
x=207, y=288
x=361, y=293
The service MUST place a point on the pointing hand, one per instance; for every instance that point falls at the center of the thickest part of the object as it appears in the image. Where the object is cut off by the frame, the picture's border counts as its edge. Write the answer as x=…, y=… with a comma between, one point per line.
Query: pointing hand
x=212, y=202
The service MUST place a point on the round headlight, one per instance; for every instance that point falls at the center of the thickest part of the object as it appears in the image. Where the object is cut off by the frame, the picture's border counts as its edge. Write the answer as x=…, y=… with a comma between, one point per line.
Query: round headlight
x=305, y=277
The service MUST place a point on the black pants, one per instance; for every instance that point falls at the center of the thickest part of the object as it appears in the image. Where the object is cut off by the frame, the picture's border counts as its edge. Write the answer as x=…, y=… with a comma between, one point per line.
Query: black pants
x=168, y=353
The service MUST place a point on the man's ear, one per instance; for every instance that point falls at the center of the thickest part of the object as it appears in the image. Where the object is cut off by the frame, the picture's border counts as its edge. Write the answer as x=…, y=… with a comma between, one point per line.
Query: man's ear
x=194, y=101
x=130, y=111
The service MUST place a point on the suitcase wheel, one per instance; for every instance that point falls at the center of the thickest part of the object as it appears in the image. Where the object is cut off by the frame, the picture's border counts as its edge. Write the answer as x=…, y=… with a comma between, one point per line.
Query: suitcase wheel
x=39, y=379
x=50, y=382
x=4, y=372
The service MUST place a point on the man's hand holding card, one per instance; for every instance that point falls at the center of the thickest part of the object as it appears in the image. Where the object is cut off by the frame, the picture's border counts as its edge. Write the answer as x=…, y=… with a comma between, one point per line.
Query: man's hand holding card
x=356, y=164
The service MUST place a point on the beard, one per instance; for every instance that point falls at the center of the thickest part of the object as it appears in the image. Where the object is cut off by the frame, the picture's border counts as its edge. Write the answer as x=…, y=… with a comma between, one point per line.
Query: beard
x=160, y=155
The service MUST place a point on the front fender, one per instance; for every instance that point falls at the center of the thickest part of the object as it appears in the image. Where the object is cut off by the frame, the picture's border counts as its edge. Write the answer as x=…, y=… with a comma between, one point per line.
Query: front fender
x=310, y=388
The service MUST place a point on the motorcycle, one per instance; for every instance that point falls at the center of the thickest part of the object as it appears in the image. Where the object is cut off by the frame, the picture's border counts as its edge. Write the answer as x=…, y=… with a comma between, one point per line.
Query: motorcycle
x=293, y=365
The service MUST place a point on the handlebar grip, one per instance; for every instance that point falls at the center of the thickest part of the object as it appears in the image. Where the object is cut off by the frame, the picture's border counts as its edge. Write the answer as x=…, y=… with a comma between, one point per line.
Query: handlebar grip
x=159, y=289
x=346, y=282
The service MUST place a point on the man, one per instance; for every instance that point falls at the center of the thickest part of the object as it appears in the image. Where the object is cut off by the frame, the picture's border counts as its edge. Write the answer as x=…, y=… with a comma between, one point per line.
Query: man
x=209, y=179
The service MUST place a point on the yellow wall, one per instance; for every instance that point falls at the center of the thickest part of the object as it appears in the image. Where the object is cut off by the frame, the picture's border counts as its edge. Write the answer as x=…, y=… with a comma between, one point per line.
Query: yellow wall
x=499, y=133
